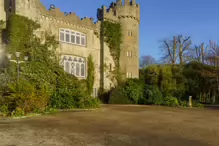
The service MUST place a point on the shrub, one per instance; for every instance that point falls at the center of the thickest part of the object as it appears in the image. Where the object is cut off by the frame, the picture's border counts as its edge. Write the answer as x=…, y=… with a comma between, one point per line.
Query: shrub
x=18, y=112
x=64, y=99
x=134, y=90
x=129, y=93
x=89, y=102
x=183, y=103
x=27, y=98
x=197, y=104
x=72, y=98
x=4, y=110
x=153, y=95
x=118, y=96
x=171, y=101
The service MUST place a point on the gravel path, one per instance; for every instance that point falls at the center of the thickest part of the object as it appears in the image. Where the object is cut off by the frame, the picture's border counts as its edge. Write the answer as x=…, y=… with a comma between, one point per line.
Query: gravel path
x=115, y=126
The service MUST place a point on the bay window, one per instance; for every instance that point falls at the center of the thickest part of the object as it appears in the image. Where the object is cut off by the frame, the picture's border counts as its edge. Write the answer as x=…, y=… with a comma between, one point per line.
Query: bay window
x=72, y=37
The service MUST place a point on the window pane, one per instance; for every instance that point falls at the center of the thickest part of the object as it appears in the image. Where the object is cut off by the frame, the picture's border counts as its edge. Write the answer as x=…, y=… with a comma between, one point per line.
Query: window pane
x=73, y=68
x=70, y=36
x=67, y=67
x=67, y=37
x=73, y=39
x=77, y=69
x=83, y=41
x=82, y=70
x=78, y=40
x=62, y=36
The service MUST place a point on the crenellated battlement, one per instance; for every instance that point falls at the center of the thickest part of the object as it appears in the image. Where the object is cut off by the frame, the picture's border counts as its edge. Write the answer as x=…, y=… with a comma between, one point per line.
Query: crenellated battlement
x=128, y=9
x=71, y=17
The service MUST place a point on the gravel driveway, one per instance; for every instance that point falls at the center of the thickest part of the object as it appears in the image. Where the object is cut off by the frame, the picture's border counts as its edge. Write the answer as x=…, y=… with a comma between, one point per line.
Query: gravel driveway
x=116, y=126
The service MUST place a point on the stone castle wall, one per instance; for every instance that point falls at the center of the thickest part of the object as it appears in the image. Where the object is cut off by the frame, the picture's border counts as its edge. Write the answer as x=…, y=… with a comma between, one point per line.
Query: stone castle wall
x=128, y=14
x=52, y=20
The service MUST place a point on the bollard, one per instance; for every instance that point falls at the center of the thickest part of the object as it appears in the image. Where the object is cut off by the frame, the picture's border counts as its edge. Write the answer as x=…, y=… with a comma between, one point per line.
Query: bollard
x=190, y=101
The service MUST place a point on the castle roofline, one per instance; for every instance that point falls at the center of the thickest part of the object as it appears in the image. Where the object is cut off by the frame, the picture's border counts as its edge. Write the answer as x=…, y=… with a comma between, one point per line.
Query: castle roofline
x=71, y=17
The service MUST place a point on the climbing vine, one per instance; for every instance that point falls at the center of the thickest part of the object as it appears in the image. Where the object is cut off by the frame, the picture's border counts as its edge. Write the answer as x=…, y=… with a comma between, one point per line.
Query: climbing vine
x=112, y=33
x=91, y=74
x=43, y=83
x=20, y=31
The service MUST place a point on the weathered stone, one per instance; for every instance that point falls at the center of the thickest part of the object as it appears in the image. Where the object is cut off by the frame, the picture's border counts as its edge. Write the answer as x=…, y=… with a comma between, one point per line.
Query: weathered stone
x=52, y=20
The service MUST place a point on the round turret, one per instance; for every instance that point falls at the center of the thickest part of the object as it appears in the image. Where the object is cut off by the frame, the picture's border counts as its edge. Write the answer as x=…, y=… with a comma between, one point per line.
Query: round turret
x=129, y=18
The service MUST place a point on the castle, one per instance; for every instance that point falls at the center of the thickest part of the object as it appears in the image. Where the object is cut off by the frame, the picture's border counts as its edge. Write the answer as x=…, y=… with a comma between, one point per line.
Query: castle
x=79, y=37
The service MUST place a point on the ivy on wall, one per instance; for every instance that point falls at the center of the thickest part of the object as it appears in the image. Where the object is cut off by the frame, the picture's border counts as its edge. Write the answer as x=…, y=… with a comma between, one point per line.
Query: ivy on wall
x=18, y=28
x=91, y=74
x=112, y=33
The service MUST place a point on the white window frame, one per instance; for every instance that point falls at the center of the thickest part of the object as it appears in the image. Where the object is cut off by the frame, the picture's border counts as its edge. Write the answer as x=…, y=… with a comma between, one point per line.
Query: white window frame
x=73, y=61
x=72, y=33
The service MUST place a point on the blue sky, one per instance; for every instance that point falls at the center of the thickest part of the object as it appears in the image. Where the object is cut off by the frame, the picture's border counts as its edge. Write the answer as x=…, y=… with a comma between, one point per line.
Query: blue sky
x=160, y=19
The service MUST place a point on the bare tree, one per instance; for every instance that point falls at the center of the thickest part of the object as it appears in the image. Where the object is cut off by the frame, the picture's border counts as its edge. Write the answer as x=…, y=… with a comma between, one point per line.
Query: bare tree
x=147, y=60
x=184, y=44
x=175, y=49
x=198, y=53
x=213, y=57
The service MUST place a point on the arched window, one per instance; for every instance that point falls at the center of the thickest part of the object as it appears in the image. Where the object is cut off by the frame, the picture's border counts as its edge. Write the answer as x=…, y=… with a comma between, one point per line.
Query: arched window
x=67, y=67
x=73, y=68
x=77, y=69
x=82, y=70
x=74, y=65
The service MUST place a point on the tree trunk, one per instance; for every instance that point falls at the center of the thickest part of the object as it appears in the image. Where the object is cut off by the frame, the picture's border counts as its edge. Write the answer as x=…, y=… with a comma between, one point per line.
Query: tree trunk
x=181, y=54
x=174, y=50
x=202, y=53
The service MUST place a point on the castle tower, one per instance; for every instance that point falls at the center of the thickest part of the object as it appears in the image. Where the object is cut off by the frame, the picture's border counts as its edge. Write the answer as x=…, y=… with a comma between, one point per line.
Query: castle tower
x=2, y=10
x=127, y=13
x=22, y=7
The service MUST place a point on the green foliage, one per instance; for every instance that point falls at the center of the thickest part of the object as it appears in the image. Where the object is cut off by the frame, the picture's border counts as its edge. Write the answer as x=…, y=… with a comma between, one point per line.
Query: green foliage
x=153, y=95
x=18, y=112
x=4, y=110
x=197, y=104
x=20, y=32
x=171, y=101
x=194, y=79
x=89, y=102
x=112, y=33
x=183, y=103
x=43, y=84
x=202, y=80
x=91, y=74
x=67, y=98
x=129, y=93
x=28, y=98
x=118, y=96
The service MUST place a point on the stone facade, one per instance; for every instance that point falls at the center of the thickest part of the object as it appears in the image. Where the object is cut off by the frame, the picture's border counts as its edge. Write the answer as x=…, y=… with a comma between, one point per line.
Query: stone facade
x=80, y=36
